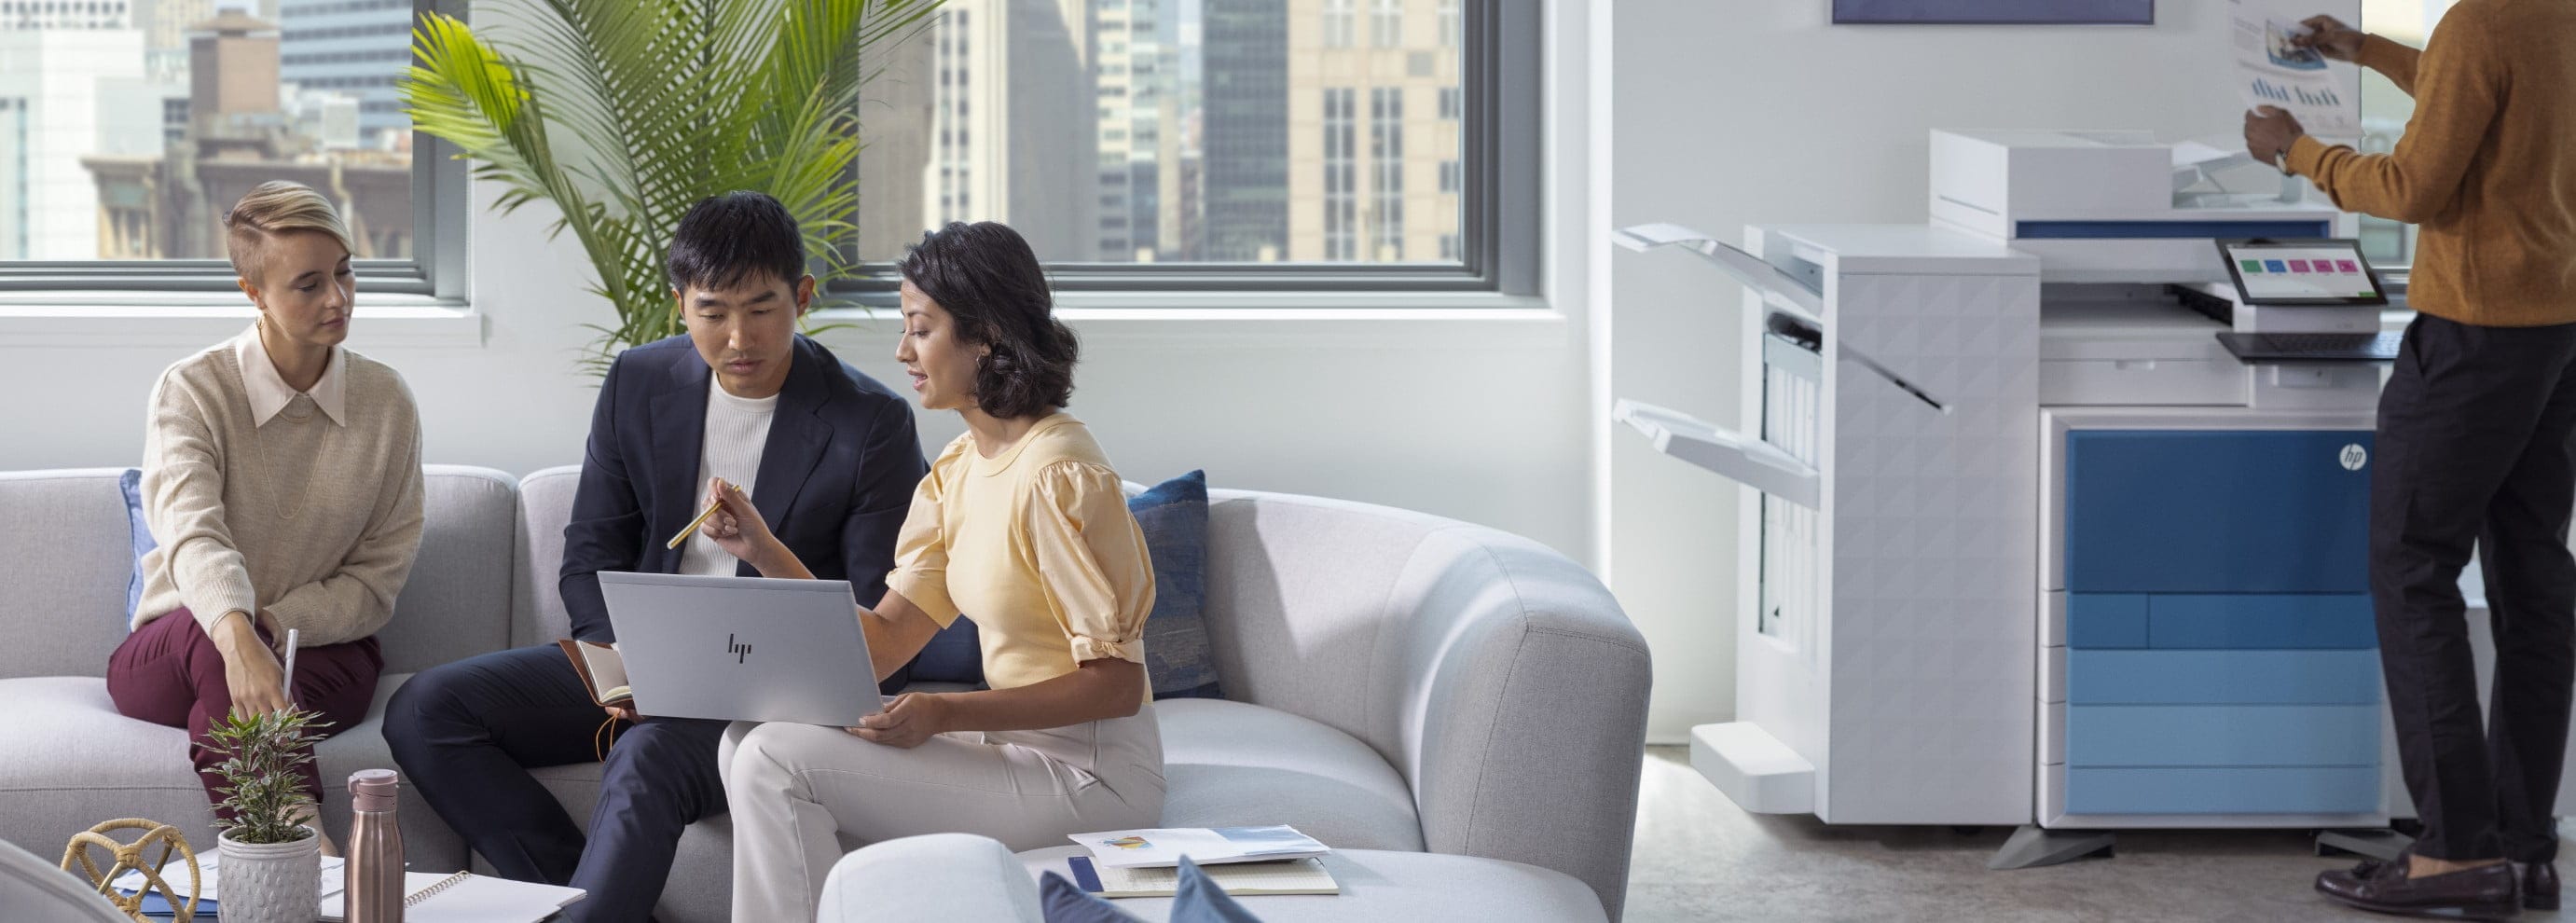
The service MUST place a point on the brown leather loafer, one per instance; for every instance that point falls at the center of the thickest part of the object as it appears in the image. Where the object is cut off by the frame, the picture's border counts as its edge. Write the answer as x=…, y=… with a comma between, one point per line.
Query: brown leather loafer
x=2540, y=886
x=2488, y=892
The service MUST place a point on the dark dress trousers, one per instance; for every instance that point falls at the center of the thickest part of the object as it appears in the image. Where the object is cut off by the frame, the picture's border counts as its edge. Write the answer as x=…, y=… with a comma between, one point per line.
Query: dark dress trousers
x=836, y=477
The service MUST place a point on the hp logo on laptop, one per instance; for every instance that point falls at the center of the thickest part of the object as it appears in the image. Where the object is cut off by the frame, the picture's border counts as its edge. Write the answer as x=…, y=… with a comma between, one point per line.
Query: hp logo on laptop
x=742, y=651
x=2353, y=457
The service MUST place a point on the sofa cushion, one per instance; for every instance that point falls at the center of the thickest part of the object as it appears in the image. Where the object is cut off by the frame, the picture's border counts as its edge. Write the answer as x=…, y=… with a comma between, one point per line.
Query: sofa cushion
x=1228, y=764
x=139, y=533
x=93, y=764
x=1385, y=885
x=66, y=581
x=456, y=603
x=1173, y=515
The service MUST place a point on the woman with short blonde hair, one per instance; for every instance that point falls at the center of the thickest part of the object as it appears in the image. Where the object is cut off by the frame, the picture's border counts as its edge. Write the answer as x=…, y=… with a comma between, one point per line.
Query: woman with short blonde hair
x=281, y=481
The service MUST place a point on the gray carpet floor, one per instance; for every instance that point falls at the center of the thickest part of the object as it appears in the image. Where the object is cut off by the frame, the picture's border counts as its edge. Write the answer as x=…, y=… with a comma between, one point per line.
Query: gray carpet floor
x=1699, y=857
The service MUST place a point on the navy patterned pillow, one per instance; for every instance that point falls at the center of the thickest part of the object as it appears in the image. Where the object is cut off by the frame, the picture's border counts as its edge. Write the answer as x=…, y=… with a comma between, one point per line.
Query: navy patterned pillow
x=1174, y=517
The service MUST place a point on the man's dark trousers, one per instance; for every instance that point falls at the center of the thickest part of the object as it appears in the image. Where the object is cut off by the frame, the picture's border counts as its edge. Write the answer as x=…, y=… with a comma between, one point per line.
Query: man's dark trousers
x=489, y=719
x=2477, y=448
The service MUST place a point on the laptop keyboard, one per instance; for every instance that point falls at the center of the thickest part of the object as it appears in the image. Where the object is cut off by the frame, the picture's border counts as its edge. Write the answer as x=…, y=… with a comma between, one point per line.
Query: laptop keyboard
x=2331, y=345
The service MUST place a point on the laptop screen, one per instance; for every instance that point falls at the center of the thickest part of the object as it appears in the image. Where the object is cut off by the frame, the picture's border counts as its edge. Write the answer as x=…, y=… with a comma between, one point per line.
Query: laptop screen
x=2301, y=272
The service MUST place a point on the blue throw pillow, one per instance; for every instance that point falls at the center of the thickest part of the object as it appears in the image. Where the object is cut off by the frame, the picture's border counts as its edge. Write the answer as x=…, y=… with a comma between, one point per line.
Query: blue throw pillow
x=1199, y=900
x=1174, y=517
x=138, y=533
x=1064, y=903
x=954, y=655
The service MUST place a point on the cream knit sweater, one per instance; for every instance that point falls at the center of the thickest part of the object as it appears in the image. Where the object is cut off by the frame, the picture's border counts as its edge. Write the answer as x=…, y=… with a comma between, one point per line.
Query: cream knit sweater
x=311, y=518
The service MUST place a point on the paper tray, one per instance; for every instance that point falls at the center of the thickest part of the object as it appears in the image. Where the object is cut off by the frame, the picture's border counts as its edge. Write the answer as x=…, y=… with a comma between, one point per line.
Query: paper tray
x=1750, y=462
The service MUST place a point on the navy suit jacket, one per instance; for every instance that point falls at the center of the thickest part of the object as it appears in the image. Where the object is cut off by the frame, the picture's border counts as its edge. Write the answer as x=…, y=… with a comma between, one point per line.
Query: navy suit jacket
x=836, y=476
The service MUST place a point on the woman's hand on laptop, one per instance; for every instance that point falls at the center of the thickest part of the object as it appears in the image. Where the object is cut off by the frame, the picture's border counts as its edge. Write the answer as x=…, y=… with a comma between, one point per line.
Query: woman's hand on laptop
x=738, y=529
x=913, y=717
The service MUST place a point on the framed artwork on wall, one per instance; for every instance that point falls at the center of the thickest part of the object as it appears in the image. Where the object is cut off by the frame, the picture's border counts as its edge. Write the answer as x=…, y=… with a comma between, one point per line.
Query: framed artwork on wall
x=1997, y=12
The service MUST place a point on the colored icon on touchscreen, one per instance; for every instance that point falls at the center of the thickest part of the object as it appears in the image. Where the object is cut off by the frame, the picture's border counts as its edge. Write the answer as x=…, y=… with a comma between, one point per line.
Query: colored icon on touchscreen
x=2275, y=266
x=2298, y=265
x=2250, y=265
x=2347, y=266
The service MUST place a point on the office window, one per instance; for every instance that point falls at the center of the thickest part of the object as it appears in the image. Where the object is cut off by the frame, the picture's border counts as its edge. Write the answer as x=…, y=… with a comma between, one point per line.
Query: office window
x=1340, y=23
x=1242, y=133
x=126, y=183
x=1341, y=175
x=2384, y=111
x=1386, y=172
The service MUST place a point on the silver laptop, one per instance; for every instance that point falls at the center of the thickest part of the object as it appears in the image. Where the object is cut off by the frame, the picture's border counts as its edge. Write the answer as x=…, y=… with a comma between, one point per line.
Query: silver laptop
x=742, y=648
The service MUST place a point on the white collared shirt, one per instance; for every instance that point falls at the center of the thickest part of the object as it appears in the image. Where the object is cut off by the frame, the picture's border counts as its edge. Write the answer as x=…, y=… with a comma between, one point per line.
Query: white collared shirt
x=269, y=393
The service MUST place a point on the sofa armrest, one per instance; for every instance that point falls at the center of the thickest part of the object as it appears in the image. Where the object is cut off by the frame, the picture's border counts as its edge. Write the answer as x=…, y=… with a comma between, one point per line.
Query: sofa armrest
x=941, y=876
x=1525, y=721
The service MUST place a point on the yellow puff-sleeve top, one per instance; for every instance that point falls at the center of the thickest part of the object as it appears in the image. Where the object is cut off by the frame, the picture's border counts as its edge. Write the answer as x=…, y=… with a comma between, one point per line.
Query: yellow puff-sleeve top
x=1037, y=545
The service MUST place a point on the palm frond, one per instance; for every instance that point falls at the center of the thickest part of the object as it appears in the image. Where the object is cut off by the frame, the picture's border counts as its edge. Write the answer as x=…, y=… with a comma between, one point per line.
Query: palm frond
x=624, y=113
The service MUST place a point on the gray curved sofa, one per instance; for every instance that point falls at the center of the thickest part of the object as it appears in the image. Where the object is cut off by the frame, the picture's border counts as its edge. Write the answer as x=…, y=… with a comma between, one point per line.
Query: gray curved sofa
x=1395, y=681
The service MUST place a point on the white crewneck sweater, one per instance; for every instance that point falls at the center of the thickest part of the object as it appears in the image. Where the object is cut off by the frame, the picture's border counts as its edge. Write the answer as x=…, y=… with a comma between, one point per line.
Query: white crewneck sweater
x=737, y=430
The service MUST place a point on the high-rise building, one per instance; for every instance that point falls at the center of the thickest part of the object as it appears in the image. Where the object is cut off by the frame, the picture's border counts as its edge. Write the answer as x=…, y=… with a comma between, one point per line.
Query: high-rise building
x=165, y=25
x=350, y=48
x=166, y=202
x=1374, y=130
x=69, y=72
x=896, y=109
x=1244, y=129
x=1011, y=133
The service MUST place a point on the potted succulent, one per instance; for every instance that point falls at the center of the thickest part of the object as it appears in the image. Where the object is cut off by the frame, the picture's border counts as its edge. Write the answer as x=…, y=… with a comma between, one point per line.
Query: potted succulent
x=271, y=858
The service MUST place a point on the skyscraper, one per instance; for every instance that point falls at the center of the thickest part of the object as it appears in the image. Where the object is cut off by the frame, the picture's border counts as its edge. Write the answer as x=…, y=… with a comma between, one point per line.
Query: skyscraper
x=1011, y=136
x=1374, y=130
x=355, y=49
x=69, y=65
x=1245, y=129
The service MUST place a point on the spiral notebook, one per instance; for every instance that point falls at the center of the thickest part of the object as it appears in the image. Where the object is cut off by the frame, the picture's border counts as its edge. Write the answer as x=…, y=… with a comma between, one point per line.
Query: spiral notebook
x=465, y=896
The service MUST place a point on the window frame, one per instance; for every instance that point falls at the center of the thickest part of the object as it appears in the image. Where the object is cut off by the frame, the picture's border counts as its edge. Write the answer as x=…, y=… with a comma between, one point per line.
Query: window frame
x=436, y=270
x=1500, y=196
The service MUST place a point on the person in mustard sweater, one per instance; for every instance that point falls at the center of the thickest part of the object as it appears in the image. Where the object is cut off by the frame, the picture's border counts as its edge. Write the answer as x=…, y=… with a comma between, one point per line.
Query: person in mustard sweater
x=2476, y=439
x=281, y=481
x=1022, y=522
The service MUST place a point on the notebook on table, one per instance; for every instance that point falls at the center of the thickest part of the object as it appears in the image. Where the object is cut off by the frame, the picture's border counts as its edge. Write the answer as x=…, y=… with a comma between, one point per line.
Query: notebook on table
x=461, y=897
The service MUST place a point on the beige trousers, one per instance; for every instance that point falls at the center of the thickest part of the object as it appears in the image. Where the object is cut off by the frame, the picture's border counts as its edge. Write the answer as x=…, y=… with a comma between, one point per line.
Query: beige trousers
x=802, y=796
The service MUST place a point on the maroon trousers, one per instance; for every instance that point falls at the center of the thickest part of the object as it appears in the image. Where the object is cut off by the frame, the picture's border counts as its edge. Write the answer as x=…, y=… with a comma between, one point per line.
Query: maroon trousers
x=169, y=673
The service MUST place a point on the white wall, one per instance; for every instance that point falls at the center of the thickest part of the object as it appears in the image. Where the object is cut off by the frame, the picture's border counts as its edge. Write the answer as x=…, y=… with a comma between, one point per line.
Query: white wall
x=1732, y=113
x=1478, y=419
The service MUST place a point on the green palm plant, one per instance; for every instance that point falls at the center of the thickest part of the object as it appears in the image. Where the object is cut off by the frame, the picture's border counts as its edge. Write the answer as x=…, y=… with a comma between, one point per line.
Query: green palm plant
x=624, y=113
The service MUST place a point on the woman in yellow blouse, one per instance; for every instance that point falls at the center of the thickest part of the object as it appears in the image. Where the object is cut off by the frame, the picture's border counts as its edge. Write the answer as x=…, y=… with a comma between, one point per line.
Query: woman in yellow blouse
x=1021, y=523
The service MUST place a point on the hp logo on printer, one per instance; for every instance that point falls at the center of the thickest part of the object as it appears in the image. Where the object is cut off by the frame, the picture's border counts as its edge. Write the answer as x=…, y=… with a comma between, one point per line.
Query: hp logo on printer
x=742, y=651
x=2353, y=457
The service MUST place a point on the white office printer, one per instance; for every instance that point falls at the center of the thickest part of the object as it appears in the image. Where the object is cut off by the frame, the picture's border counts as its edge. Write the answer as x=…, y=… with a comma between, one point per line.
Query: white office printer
x=2031, y=547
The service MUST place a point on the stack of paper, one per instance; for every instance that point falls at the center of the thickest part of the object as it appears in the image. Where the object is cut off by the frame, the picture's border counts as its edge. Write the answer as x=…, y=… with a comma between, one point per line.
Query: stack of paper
x=1238, y=860
x=1164, y=847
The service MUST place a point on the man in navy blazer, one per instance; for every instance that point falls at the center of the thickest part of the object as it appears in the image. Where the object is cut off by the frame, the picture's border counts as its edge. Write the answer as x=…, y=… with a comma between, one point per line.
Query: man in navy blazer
x=830, y=458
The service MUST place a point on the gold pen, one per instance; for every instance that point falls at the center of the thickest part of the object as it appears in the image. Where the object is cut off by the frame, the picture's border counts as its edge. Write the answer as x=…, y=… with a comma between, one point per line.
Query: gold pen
x=712, y=506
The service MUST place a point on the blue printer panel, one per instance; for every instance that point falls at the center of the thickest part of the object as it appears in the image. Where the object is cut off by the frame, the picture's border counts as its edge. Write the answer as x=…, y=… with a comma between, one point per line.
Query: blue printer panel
x=2217, y=511
x=2222, y=650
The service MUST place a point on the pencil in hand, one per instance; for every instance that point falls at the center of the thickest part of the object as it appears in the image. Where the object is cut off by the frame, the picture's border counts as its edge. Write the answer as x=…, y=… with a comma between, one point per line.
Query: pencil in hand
x=713, y=504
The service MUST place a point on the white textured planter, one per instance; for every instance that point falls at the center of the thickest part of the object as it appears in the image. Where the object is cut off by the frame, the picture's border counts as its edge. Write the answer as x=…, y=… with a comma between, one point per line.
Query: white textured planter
x=269, y=882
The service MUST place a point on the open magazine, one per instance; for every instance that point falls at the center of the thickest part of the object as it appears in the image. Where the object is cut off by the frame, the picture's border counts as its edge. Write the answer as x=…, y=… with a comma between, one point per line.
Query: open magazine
x=1120, y=849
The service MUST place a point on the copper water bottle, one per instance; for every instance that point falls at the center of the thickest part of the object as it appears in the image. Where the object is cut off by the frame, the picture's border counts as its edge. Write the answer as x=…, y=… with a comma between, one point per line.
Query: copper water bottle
x=374, y=882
